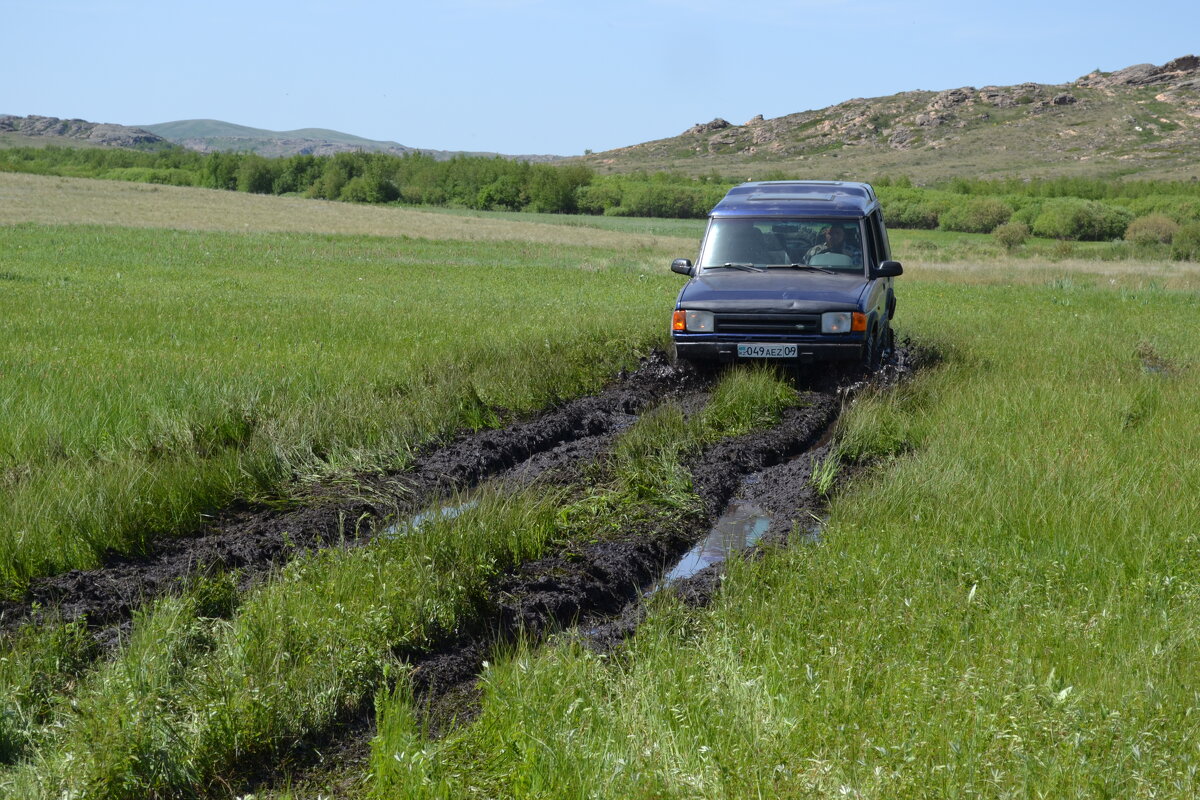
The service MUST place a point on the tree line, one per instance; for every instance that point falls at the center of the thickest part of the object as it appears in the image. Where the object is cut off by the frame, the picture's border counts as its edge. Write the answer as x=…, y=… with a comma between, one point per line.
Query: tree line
x=1084, y=209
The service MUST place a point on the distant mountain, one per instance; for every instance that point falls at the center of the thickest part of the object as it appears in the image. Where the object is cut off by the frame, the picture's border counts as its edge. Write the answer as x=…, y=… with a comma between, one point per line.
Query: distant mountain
x=207, y=136
x=210, y=135
x=1143, y=120
x=75, y=132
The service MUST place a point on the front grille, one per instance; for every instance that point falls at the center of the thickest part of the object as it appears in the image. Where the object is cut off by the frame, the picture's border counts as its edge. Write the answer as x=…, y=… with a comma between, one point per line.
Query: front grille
x=771, y=324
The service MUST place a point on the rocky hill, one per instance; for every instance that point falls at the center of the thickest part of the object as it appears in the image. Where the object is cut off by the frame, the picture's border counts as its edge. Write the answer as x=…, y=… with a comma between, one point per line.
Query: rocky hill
x=1142, y=120
x=78, y=132
x=208, y=135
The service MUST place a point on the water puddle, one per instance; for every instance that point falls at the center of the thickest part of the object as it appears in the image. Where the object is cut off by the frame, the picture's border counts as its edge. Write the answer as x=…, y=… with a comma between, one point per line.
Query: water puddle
x=741, y=526
x=417, y=521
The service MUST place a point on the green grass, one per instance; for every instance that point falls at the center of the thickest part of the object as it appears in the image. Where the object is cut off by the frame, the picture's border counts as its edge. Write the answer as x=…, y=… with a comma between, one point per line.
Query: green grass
x=190, y=698
x=679, y=228
x=1005, y=607
x=147, y=377
x=208, y=682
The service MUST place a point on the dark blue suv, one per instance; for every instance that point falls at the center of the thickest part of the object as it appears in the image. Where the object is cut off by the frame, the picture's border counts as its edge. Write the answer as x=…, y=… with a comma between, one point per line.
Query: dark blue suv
x=790, y=271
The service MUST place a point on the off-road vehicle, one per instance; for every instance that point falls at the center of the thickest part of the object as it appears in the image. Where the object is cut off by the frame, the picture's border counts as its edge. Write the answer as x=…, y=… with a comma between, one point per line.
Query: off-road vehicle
x=790, y=271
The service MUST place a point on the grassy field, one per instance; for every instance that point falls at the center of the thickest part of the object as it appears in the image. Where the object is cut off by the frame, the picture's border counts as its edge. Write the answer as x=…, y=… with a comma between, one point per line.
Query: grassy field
x=151, y=376
x=1003, y=604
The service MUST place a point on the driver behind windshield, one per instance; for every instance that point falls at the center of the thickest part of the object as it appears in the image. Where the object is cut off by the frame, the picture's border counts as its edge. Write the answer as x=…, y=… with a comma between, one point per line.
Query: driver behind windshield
x=834, y=241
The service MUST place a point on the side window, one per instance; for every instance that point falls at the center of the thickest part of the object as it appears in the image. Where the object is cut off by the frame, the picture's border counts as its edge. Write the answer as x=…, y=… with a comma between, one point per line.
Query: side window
x=883, y=248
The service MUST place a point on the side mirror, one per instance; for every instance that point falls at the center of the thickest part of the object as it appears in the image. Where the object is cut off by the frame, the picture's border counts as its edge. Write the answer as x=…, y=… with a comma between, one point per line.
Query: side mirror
x=682, y=265
x=888, y=269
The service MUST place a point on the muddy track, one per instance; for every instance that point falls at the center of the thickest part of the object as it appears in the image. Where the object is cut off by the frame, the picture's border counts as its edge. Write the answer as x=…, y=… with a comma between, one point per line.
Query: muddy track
x=255, y=541
x=597, y=586
x=595, y=591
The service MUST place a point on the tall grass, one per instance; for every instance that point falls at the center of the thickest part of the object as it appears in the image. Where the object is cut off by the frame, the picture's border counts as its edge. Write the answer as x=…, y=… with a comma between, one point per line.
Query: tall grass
x=1006, y=607
x=147, y=377
x=204, y=683
x=190, y=697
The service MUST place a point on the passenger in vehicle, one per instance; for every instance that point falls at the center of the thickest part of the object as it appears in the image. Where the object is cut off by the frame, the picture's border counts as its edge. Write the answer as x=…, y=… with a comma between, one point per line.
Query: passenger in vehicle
x=834, y=237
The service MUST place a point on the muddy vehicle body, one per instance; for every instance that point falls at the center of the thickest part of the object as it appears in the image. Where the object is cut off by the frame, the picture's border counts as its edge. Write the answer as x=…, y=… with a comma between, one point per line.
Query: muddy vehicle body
x=797, y=272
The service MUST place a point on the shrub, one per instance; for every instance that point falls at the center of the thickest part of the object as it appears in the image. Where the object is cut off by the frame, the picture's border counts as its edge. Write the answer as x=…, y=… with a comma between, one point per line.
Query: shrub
x=1085, y=220
x=910, y=208
x=257, y=175
x=1011, y=235
x=368, y=189
x=1151, y=229
x=596, y=198
x=641, y=199
x=1185, y=246
x=503, y=193
x=974, y=215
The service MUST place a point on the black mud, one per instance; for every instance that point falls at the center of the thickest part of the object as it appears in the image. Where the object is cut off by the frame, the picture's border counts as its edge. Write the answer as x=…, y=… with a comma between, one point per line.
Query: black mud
x=550, y=446
x=593, y=590
x=596, y=591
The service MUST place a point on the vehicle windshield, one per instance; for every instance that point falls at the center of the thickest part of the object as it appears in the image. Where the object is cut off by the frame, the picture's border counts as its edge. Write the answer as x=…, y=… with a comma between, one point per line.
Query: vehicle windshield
x=833, y=245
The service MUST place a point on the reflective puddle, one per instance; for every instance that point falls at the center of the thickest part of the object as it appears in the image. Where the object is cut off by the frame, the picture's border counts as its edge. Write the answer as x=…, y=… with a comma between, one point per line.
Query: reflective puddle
x=741, y=526
x=417, y=521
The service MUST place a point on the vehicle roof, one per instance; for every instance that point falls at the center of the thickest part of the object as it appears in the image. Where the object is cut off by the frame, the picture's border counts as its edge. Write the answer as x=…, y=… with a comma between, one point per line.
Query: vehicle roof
x=797, y=199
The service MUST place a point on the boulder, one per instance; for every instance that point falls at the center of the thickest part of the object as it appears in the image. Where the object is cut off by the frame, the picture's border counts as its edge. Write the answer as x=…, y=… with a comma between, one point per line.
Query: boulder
x=708, y=127
x=951, y=98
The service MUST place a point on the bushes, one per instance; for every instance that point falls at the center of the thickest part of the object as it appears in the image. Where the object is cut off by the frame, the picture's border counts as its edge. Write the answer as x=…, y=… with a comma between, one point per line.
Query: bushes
x=975, y=215
x=1152, y=229
x=1185, y=246
x=1011, y=235
x=906, y=207
x=659, y=195
x=1085, y=220
x=368, y=189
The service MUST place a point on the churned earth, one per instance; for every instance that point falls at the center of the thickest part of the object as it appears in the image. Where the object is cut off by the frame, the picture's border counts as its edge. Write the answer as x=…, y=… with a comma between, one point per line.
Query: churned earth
x=756, y=485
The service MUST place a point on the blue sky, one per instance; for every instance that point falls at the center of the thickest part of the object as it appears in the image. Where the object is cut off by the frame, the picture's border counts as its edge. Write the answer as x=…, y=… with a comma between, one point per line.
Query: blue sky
x=544, y=76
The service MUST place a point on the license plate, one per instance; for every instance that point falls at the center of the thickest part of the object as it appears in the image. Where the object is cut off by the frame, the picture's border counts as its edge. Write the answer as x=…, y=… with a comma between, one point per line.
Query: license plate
x=766, y=351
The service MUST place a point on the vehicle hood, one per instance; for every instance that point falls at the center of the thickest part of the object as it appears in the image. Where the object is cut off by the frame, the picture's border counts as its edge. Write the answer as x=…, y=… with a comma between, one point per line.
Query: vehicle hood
x=776, y=290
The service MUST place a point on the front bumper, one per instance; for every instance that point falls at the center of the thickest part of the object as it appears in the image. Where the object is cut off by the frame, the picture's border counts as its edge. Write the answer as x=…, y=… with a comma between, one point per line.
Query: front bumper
x=725, y=350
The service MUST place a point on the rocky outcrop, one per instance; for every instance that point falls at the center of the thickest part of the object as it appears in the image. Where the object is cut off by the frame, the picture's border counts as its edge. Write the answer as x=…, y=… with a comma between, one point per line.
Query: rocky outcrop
x=1180, y=69
x=951, y=98
x=99, y=133
x=708, y=127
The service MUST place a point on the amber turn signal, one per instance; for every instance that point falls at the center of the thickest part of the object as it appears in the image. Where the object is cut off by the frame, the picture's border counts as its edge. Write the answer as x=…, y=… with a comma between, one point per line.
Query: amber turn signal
x=679, y=321
x=858, y=321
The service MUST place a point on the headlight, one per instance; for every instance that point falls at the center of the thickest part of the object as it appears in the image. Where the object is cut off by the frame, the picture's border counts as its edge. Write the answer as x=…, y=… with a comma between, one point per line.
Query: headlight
x=843, y=321
x=698, y=321
x=835, y=322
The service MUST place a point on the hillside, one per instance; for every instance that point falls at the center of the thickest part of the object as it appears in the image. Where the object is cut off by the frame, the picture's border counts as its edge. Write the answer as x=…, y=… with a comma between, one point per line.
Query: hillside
x=33, y=131
x=1142, y=120
x=209, y=135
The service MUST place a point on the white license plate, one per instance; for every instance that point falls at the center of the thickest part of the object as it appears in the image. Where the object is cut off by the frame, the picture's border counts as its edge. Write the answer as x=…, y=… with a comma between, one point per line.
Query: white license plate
x=766, y=351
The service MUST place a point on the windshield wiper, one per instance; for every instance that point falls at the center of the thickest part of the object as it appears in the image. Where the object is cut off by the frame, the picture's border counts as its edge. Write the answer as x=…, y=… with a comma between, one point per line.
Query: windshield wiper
x=739, y=265
x=805, y=266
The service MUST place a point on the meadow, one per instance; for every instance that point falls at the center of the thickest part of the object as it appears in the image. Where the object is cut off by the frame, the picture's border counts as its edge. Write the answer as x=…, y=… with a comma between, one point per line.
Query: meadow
x=1002, y=602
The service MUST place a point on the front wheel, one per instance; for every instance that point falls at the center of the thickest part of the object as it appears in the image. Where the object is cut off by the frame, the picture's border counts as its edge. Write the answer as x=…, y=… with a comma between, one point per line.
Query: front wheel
x=872, y=351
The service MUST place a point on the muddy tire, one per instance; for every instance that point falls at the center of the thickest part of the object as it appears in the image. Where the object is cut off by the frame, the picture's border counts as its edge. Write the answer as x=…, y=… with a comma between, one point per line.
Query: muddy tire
x=873, y=351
